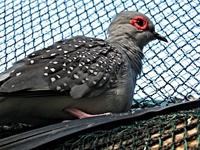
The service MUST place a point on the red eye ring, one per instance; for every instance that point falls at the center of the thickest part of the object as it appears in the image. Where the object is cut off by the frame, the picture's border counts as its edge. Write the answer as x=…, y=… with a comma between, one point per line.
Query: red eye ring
x=135, y=20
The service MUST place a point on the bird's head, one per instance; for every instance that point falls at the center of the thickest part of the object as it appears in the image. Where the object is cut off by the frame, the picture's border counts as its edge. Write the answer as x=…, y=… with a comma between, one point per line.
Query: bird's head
x=134, y=26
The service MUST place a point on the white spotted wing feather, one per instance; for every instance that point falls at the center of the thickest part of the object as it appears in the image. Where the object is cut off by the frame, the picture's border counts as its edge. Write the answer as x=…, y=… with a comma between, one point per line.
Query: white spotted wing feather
x=79, y=66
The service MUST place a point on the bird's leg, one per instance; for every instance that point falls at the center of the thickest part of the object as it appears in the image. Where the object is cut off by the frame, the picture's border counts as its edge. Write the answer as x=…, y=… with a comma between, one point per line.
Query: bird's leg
x=80, y=114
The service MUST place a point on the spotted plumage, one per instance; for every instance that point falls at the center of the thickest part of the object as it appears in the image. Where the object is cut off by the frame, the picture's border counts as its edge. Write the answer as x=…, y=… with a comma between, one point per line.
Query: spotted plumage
x=71, y=62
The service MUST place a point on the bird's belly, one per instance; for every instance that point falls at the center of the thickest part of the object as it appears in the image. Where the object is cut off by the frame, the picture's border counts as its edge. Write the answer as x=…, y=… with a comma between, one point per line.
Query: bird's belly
x=110, y=101
x=50, y=109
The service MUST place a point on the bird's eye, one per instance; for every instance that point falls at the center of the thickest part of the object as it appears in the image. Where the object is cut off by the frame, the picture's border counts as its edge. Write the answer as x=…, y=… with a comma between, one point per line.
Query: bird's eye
x=140, y=23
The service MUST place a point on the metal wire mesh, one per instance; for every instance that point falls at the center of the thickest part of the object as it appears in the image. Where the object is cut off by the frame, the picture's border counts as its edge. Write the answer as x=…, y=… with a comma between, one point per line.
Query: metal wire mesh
x=169, y=70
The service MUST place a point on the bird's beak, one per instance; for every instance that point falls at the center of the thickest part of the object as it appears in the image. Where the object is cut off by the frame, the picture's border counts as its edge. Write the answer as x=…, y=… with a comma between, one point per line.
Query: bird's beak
x=159, y=37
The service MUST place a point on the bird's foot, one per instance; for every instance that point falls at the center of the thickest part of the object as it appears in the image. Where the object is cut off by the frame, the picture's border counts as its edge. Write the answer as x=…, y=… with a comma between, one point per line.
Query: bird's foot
x=80, y=114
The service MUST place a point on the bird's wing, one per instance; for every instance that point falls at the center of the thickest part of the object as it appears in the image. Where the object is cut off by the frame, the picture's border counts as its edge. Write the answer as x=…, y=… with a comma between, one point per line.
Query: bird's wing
x=78, y=66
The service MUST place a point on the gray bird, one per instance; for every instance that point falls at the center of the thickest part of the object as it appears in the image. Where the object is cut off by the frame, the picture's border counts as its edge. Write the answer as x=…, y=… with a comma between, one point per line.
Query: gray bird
x=78, y=77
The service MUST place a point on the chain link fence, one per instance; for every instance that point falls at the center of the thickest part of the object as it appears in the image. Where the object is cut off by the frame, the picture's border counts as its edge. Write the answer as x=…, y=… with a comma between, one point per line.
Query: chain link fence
x=169, y=69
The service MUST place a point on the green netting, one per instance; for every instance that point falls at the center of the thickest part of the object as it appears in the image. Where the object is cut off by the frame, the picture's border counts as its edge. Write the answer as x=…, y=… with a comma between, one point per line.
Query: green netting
x=179, y=130
x=174, y=131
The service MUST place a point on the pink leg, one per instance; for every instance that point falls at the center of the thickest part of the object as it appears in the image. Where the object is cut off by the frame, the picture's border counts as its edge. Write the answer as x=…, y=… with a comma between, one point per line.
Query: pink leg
x=80, y=114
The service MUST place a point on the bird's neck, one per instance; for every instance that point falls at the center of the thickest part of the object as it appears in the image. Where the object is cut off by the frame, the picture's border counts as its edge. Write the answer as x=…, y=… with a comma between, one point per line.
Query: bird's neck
x=133, y=52
x=128, y=35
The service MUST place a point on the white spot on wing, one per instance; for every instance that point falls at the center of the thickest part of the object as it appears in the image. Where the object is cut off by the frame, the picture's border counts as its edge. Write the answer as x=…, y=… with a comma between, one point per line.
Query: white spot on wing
x=55, y=62
x=76, y=46
x=53, y=54
x=76, y=76
x=45, y=74
x=53, y=79
x=80, y=65
x=91, y=71
x=52, y=69
x=32, y=61
x=58, y=76
x=104, y=78
x=19, y=73
x=58, y=88
x=95, y=73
